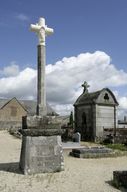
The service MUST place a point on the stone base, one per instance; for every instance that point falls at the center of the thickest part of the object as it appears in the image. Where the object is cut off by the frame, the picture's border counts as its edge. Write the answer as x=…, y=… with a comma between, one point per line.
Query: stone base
x=41, y=154
x=41, y=150
x=120, y=178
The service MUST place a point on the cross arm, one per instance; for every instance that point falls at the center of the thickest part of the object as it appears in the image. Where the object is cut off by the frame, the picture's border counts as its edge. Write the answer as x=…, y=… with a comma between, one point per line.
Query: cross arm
x=49, y=31
x=35, y=28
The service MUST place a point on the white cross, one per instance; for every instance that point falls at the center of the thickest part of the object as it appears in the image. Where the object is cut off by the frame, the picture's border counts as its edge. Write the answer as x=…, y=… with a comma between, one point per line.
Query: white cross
x=42, y=30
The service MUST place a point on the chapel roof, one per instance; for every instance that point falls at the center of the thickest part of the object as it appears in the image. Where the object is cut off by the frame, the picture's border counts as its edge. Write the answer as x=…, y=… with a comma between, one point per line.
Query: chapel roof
x=92, y=98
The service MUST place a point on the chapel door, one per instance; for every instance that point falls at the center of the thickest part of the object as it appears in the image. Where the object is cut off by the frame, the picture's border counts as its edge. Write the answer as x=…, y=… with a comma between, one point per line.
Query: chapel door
x=84, y=127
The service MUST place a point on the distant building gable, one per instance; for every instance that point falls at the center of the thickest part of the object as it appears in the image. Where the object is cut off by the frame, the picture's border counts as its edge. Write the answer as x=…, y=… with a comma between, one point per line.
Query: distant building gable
x=5, y=102
x=12, y=111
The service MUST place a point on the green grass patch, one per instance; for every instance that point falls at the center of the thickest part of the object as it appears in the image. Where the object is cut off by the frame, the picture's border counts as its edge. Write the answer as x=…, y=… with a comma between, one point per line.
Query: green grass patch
x=120, y=147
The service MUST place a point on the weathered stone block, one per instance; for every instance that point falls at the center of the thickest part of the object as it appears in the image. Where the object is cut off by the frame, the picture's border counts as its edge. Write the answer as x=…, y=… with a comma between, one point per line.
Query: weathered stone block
x=42, y=154
x=40, y=132
x=120, y=178
x=93, y=152
x=38, y=122
x=41, y=145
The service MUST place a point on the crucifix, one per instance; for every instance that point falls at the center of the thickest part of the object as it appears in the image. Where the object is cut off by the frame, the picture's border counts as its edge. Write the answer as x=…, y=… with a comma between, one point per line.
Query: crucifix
x=42, y=31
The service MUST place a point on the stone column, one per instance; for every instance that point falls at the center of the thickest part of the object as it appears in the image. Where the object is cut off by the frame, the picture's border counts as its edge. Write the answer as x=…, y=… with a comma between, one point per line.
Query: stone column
x=42, y=31
x=41, y=87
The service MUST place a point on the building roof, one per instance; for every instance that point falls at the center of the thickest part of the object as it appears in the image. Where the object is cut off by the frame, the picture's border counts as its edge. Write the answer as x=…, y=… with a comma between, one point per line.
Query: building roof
x=93, y=98
x=28, y=105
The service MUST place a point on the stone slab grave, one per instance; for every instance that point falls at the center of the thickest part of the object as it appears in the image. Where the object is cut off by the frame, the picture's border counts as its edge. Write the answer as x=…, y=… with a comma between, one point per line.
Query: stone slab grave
x=91, y=152
x=41, y=149
x=120, y=179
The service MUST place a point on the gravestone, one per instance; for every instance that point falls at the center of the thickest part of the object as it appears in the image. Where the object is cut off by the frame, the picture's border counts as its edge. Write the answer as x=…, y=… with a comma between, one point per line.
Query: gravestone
x=77, y=137
x=41, y=149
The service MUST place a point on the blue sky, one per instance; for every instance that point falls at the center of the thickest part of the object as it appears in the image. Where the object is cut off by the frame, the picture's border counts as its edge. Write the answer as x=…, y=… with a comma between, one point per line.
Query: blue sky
x=80, y=26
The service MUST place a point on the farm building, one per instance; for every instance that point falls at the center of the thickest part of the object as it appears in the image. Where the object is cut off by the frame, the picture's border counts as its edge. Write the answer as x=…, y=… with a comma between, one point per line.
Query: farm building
x=12, y=111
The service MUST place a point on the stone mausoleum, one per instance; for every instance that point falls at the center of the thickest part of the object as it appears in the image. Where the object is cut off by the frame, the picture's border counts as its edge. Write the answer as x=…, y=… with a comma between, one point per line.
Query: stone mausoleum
x=94, y=112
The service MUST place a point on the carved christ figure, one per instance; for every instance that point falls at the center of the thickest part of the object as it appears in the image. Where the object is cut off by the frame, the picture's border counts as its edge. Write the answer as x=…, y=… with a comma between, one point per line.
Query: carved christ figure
x=42, y=30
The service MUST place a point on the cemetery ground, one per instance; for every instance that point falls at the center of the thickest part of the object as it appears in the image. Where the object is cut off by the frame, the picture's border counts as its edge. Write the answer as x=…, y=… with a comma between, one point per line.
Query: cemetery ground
x=90, y=175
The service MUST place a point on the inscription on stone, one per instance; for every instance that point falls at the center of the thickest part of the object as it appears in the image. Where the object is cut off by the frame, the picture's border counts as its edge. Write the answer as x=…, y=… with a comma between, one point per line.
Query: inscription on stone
x=43, y=150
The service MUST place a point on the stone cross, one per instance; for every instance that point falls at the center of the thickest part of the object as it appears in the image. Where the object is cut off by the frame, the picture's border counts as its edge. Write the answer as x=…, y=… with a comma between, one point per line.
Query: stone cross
x=42, y=31
x=41, y=150
x=85, y=86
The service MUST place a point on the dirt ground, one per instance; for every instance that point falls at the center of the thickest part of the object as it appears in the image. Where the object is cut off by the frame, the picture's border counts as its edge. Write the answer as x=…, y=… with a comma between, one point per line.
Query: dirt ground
x=80, y=175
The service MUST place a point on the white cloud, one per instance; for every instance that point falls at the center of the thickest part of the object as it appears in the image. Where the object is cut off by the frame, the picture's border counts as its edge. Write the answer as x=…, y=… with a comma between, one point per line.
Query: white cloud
x=64, y=80
x=123, y=102
x=22, y=17
x=122, y=108
x=11, y=70
x=20, y=86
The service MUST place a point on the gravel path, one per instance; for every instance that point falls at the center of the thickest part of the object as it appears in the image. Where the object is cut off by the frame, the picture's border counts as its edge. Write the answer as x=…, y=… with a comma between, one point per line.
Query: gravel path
x=80, y=175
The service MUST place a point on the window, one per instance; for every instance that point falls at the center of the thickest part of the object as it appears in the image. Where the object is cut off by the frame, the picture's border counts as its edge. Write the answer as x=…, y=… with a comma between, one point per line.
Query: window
x=106, y=97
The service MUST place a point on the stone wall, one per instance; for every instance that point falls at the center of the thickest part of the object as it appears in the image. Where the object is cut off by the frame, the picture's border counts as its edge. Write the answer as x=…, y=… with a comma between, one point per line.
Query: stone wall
x=11, y=114
x=120, y=137
x=97, y=117
x=10, y=124
x=104, y=118
x=12, y=111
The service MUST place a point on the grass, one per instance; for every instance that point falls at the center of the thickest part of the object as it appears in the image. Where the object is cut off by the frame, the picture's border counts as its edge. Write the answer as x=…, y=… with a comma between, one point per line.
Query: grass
x=120, y=147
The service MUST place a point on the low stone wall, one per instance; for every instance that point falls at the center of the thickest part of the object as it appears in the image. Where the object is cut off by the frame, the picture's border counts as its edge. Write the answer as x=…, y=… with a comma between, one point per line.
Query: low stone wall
x=7, y=125
x=120, y=135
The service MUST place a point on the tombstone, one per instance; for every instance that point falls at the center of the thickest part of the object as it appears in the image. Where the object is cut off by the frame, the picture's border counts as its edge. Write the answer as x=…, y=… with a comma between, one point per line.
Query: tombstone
x=92, y=152
x=77, y=137
x=41, y=149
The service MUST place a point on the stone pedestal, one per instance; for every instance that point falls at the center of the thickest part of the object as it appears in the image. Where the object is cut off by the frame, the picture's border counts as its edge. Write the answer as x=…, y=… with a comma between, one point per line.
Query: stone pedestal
x=41, y=150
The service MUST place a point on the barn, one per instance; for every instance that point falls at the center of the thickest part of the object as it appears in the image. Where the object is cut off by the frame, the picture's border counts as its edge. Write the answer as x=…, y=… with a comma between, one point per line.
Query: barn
x=12, y=111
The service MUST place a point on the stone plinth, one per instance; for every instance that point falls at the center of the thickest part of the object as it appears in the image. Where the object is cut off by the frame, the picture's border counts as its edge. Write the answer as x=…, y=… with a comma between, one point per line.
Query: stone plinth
x=41, y=123
x=41, y=146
